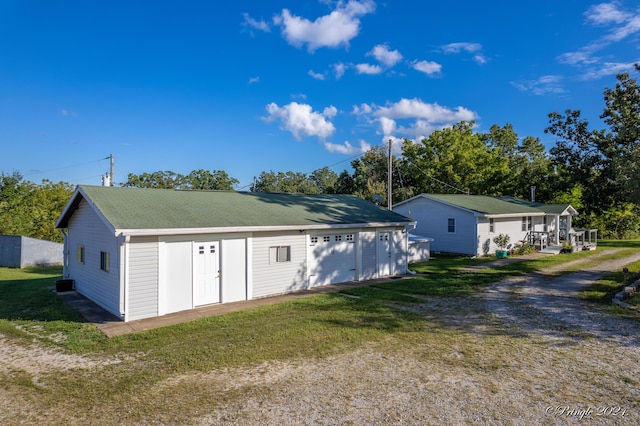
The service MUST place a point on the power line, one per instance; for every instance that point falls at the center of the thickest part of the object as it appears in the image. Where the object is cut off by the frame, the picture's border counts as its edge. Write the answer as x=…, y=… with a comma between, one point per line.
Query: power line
x=65, y=167
x=315, y=170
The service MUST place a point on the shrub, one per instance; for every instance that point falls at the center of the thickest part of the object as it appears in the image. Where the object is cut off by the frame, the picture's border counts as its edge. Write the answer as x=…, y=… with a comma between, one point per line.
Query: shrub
x=525, y=248
x=502, y=240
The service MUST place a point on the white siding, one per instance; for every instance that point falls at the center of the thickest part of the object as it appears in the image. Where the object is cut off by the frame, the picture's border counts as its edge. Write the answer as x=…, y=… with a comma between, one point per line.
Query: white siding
x=280, y=277
x=85, y=228
x=234, y=269
x=332, y=258
x=369, y=250
x=142, y=281
x=431, y=218
x=400, y=252
x=176, y=272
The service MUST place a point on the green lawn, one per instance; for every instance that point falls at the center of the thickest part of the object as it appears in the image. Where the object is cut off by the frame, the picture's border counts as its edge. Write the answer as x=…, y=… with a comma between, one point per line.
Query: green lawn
x=312, y=327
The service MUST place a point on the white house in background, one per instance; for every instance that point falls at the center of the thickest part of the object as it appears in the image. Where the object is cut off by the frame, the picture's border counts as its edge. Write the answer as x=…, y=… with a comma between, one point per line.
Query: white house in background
x=467, y=224
x=142, y=253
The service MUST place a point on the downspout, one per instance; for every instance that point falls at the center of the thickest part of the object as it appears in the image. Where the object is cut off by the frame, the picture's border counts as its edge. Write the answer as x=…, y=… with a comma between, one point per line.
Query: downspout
x=123, y=241
x=65, y=253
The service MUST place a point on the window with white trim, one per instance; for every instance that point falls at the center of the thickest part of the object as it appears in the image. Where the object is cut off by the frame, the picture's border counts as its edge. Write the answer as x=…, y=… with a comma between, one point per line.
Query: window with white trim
x=81, y=254
x=314, y=240
x=451, y=225
x=104, y=261
x=526, y=223
x=492, y=226
x=279, y=254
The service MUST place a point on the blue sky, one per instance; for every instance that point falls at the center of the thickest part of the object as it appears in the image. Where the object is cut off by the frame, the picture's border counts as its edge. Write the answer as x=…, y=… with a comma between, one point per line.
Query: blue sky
x=254, y=86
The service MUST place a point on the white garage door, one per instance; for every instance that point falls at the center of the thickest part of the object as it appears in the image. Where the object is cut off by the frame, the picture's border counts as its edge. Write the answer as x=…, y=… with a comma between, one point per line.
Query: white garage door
x=332, y=259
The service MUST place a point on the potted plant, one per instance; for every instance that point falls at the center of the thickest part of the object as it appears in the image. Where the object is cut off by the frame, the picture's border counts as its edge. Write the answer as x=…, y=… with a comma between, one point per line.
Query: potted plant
x=502, y=240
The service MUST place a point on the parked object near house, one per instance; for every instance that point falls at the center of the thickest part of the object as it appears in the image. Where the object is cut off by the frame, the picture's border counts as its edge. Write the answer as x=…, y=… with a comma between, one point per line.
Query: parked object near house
x=17, y=251
x=141, y=253
x=467, y=224
x=419, y=248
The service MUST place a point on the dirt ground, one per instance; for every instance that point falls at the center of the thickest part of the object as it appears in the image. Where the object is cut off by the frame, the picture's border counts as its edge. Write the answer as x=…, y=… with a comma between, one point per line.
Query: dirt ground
x=526, y=351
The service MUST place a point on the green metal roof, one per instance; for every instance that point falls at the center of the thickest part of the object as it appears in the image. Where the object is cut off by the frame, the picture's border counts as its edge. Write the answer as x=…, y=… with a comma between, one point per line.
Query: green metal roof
x=487, y=205
x=145, y=208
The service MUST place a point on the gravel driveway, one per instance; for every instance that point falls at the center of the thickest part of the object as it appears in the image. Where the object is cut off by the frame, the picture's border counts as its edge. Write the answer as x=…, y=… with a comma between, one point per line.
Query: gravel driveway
x=527, y=351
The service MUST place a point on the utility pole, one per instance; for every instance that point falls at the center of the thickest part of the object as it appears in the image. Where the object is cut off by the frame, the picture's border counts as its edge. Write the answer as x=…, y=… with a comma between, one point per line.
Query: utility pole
x=389, y=203
x=110, y=169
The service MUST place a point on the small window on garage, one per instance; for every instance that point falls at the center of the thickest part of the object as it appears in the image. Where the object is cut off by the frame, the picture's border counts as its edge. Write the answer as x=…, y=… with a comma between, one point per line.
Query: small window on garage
x=326, y=238
x=81, y=254
x=104, y=261
x=314, y=240
x=338, y=237
x=451, y=225
x=279, y=254
x=349, y=237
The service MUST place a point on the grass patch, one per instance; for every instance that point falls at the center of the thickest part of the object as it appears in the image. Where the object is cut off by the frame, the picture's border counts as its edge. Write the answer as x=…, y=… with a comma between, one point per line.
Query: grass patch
x=603, y=290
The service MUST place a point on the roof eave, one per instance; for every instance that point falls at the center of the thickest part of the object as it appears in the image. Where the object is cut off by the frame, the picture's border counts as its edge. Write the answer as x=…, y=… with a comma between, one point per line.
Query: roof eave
x=239, y=229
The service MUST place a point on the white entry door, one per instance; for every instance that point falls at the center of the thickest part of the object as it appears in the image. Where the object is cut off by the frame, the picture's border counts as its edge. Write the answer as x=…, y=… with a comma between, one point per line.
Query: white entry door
x=206, y=273
x=384, y=253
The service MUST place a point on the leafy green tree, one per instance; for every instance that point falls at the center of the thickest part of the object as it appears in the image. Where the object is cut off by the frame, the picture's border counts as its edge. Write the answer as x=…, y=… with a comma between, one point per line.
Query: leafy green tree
x=527, y=163
x=289, y=182
x=209, y=180
x=622, y=144
x=325, y=179
x=196, y=180
x=455, y=160
x=370, y=176
x=603, y=162
x=161, y=179
x=345, y=183
x=31, y=210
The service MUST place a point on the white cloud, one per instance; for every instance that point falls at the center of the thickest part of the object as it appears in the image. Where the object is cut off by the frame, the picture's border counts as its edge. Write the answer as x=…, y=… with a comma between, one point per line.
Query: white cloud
x=385, y=56
x=605, y=13
x=332, y=30
x=413, y=118
x=368, y=69
x=427, y=67
x=460, y=47
x=347, y=148
x=317, y=76
x=609, y=68
x=67, y=113
x=581, y=57
x=415, y=108
x=542, y=86
x=301, y=120
x=362, y=109
x=480, y=58
x=252, y=23
x=339, y=70
x=475, y=48
x=387, y=125
x=330, y=111
x=254, y=80
x=618, y=24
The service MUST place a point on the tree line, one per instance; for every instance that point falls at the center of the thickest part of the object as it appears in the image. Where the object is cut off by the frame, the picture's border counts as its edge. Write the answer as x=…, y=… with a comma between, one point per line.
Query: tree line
x=594, y=170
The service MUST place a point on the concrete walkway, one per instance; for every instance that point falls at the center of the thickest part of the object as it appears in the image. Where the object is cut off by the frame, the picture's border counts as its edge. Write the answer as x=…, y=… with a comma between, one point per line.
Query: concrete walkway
x=111, y=325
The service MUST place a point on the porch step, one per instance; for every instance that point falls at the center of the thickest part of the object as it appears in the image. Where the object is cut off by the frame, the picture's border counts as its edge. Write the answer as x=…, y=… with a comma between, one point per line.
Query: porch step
x=551, y=250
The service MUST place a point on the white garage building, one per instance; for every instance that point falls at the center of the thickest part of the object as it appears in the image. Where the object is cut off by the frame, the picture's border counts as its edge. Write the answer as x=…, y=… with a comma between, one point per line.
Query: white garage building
x=141, y=253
